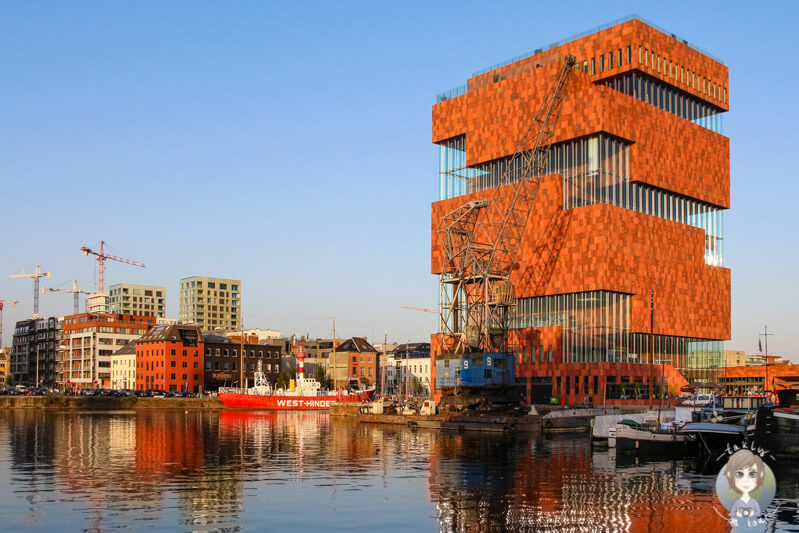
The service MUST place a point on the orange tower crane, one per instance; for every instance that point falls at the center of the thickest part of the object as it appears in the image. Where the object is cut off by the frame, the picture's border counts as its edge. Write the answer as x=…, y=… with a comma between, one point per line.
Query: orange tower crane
x=101, y=258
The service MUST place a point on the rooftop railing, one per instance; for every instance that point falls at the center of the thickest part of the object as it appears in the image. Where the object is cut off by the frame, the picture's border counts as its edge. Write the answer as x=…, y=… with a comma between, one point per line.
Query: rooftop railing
x=463, y=89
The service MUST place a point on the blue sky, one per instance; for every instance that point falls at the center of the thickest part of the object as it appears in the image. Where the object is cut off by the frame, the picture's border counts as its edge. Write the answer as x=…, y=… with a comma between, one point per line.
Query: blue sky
x=288, y=145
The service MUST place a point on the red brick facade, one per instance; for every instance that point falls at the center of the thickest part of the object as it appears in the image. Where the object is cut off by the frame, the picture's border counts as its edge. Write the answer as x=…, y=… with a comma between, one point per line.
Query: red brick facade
x=602, y=247
x=165, y=362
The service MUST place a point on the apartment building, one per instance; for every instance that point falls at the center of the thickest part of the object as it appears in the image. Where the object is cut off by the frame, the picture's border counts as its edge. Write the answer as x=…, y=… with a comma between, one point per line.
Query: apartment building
x=211, y=303
x=89, y=344
x=139, y=300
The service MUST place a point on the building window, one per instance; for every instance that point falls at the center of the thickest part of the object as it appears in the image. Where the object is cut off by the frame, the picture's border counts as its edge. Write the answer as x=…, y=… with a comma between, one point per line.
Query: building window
x=610, y=60
x=173, y=376
x=593, y=66
x=620, y=57
x=173, y=364
x=207, y=365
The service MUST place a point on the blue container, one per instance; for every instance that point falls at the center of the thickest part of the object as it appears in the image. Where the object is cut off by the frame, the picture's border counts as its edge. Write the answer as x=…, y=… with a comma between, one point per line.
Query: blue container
x=486, y=369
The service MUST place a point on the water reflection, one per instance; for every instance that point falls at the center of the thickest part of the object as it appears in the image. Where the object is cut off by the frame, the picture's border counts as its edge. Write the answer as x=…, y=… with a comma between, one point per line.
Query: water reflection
x=228, y=471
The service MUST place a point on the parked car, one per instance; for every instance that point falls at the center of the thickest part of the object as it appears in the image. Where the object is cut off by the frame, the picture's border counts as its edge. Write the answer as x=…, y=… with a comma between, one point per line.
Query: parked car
x=700, y=400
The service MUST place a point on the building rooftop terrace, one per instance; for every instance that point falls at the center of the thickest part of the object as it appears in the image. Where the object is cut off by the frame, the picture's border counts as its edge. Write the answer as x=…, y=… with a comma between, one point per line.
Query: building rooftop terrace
x=463, y=89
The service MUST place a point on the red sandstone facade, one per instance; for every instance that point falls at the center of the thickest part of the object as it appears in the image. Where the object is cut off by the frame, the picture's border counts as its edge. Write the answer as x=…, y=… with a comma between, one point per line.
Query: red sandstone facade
x=602, y=247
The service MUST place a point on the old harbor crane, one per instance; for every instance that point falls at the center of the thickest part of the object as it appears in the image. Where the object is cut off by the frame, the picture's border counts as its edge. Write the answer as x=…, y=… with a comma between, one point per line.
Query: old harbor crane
x=75, y=291
x=36, y=275
x=481, y=240
x=101, y=258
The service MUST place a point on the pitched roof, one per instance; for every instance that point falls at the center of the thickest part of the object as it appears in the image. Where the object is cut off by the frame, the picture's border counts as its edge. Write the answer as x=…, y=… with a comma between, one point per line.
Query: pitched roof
x=173, y=332
x=128, y=349
x=356, y=344
x=216, y=338
x=413, y=347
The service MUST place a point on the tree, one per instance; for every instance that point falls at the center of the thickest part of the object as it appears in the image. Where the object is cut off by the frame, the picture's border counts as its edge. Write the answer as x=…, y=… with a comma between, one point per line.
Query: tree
x=321, y=376
x=416, y=386
x=9, y=379
x=285, y=377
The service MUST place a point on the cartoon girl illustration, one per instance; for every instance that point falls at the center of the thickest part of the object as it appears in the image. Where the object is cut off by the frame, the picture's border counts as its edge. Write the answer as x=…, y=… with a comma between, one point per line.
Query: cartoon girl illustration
x=745, y=472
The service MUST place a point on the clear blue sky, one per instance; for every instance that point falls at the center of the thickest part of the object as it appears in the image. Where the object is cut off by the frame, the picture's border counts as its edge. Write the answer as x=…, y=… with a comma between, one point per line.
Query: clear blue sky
x=288, y=145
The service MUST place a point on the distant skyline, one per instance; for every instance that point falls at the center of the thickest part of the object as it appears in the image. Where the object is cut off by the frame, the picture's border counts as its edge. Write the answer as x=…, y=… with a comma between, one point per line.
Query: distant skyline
x=289, y=146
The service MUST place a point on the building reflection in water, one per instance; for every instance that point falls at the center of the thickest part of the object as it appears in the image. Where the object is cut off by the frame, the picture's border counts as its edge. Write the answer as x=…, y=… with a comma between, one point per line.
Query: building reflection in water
x=488, y=483
x=231, y=470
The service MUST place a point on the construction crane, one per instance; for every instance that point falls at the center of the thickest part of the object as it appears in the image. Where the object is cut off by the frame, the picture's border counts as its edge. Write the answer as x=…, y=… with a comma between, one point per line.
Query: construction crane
x=2, y=303
x=37, y=273
x=420, y=309
x=481, y=239
x=101, y=258
x=75, y=291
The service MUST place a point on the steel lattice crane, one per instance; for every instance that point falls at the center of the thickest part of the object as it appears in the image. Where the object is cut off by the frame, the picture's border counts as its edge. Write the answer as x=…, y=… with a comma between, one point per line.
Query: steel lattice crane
x=37, y=273
x=101, y=258
x=75, y=291
x=481, y=239
x=2, y=303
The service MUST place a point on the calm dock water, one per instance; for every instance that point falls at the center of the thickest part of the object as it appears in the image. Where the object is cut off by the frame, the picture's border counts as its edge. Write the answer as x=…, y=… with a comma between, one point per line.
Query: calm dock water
x=165, y=470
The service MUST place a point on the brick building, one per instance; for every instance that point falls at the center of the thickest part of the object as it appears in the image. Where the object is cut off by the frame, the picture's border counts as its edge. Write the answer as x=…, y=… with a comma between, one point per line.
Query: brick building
x=359, y=358
x=743, y=379
x=637, y=180
x=222, y=365
x=170, y=357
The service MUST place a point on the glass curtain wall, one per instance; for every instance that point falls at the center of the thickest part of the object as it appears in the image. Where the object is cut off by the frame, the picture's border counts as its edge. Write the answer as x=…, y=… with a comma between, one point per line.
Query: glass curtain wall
x=606, y=188
x=596, y=329
x=668, y=98
x=595, y=170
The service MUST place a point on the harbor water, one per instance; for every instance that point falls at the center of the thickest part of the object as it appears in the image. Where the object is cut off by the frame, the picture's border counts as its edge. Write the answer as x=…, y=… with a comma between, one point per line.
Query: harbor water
x=198, y=470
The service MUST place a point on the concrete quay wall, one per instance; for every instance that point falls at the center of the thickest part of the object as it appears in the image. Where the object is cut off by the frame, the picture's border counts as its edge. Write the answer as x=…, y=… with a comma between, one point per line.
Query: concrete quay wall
x=105, y=403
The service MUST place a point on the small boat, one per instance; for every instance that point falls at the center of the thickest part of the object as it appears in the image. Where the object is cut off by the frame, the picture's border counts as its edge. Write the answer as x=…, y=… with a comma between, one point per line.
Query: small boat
x=648, y=439
x=777, y=431
x=710, y=437
x=307, y=393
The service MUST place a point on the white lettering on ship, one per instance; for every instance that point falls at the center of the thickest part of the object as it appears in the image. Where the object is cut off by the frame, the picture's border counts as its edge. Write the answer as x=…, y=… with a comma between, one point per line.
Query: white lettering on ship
x=304, y=403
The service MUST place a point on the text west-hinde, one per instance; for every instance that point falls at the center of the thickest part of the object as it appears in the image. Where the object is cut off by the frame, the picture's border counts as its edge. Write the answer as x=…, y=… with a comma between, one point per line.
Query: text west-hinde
x=630, y=199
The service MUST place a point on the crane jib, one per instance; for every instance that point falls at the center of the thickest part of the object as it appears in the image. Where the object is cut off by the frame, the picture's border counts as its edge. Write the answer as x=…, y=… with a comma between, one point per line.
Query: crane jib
x=477, y=297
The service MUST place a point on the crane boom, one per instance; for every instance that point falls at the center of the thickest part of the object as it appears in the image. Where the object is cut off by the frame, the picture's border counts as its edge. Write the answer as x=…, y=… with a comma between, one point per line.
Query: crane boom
x=481, y=239
x=36, y=275
x=101, y=258
x=419, y=309
x=75, y=291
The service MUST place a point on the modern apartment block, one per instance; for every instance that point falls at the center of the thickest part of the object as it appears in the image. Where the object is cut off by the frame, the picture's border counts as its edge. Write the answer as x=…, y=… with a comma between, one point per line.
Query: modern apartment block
x=89, y=345
x=140, y=300
x=211, y=303
x=34, y=357
x=629, y=211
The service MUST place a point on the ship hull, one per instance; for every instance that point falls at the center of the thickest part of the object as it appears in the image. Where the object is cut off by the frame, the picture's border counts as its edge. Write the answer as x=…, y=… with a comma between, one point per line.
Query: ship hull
x=280, y=402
